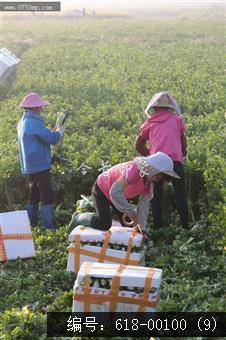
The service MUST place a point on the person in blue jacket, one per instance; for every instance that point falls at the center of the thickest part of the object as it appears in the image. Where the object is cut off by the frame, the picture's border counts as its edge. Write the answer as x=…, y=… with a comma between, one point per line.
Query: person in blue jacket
x=35, y=158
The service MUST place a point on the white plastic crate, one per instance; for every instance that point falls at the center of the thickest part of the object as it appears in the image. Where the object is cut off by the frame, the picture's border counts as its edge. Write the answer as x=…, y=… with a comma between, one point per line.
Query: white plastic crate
x=15, y=236
x=127, y=288
x=92, y=245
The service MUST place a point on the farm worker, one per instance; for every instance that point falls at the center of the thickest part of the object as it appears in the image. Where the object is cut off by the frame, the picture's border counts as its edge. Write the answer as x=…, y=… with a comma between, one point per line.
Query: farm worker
x=126, y=181
x=164, y=130
x=35, y=158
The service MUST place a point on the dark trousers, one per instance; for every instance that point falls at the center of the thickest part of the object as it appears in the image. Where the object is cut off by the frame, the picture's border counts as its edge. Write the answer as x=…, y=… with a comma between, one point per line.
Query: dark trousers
x=103, y=206
x=179, y=194
x=40, y=188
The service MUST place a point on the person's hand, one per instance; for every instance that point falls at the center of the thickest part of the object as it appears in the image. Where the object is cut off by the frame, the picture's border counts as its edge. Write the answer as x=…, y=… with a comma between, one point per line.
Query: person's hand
x=146, y=236
x=60, y=129
x=143, y=232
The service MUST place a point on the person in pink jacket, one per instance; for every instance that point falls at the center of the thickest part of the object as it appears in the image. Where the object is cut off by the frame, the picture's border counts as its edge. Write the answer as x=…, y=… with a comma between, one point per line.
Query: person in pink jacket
x=164, y=130
x=122, y=182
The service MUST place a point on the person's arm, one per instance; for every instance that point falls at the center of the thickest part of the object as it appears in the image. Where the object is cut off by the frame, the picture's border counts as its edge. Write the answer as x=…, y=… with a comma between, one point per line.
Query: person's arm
x=140, y=146
x=46, y=135
x=143, y=210
x=119, y=200
x=184, y=144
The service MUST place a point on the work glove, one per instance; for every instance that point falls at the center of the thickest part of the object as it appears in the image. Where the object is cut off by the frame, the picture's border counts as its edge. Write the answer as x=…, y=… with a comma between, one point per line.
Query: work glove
x=60, y=129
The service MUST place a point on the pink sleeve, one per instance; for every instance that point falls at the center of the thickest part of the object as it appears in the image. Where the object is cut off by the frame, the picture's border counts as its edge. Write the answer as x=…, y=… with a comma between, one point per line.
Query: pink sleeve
x=144, y=130
x=131, y=173
x=182, y=125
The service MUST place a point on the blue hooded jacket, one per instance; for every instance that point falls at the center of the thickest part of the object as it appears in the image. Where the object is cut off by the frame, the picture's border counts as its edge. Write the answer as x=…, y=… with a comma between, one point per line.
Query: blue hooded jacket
x=34, y=143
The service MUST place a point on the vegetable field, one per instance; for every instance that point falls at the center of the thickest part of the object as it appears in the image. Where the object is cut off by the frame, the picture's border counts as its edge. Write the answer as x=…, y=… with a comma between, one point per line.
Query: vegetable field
x=104, y=72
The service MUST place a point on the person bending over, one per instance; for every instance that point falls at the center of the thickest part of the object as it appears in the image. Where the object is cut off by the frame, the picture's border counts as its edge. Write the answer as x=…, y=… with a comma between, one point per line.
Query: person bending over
x=125, y=181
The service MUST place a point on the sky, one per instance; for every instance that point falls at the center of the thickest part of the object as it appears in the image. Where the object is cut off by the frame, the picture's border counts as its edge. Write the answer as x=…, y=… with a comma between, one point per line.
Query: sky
x=131, y=3
x=129, y=6
x=125, y=3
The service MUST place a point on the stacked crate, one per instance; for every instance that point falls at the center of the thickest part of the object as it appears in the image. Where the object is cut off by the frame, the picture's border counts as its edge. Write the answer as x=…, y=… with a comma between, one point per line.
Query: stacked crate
x=15, y=236
x=118, y=245
x=104, y=287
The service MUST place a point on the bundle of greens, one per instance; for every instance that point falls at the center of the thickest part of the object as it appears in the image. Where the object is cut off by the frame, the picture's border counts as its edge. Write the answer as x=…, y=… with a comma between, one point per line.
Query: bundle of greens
x=85, y=204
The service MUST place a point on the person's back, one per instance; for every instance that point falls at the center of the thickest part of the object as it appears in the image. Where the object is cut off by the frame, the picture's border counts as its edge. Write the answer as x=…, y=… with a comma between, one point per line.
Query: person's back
x=34, y=152
x=164, y=131
x=128, y=169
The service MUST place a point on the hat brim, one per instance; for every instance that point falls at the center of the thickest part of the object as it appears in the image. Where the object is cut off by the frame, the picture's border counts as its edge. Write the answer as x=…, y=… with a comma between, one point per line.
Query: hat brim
x=41, y=104
x=171, y=107
x=171, y=174
x=163, y=105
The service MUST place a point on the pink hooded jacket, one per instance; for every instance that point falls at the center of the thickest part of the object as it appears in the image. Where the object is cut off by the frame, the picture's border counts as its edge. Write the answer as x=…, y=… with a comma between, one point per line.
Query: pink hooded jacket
x=163, y=130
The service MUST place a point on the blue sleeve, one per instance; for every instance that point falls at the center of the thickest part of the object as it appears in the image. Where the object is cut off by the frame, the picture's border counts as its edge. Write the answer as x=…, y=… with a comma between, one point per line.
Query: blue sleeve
x=45, y=134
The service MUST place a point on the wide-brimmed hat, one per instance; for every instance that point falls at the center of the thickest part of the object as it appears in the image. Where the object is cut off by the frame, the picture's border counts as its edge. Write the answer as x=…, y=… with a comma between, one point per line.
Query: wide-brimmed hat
x=155, y=164
x=163, y=99
x=33, y=100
